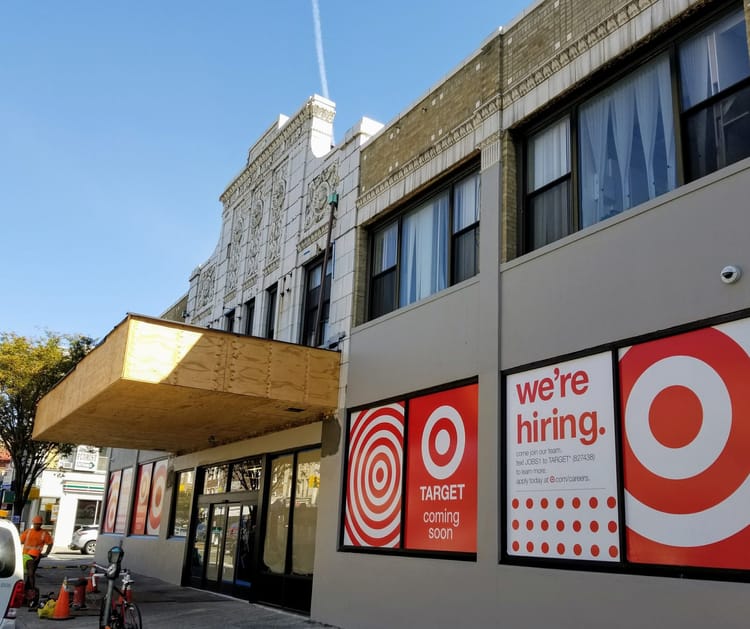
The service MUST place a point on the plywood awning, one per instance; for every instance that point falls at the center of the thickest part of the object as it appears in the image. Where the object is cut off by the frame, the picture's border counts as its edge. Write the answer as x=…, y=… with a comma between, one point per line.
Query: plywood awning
x=157, y=385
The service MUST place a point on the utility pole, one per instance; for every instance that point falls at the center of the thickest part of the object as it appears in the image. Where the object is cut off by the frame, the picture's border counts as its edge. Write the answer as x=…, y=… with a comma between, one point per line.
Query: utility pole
x=333, y=204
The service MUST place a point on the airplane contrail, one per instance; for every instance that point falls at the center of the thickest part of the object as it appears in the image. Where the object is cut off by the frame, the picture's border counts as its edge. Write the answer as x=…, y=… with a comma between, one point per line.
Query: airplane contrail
x=319, y=47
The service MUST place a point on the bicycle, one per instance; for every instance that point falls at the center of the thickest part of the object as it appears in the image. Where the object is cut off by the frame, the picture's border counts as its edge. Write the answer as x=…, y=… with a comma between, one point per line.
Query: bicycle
x=117, y=609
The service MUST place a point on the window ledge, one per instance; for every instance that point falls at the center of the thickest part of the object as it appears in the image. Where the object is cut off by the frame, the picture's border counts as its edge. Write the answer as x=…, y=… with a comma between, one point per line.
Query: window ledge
x=680, y=191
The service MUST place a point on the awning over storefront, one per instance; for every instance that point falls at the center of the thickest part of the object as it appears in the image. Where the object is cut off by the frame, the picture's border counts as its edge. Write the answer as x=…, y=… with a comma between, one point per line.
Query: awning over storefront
x=157, y=385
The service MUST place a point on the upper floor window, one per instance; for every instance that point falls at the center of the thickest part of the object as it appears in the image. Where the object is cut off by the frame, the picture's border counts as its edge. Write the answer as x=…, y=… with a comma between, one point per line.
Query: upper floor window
x=317, y=299
x=617, y=149
x=270, y=328
x=249, y=317
x=714, y=69
x=229, y=321
x=428, y=247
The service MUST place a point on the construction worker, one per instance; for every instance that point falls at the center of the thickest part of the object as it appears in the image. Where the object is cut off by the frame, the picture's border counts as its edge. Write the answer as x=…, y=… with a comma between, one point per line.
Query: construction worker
x=37, y=543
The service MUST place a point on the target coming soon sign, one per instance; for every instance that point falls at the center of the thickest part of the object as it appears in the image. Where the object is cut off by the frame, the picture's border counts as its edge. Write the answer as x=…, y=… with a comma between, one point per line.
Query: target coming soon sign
x=437, y=511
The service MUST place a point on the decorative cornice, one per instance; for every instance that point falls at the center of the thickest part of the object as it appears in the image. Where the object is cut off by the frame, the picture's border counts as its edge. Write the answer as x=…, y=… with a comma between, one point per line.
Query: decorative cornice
x=575, y=49
x=447, y=141
x=287, y=135
x=311, y=238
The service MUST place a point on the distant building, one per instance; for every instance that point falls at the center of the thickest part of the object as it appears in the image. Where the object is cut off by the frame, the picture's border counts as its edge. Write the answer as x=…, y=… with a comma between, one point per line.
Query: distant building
x=535, y=412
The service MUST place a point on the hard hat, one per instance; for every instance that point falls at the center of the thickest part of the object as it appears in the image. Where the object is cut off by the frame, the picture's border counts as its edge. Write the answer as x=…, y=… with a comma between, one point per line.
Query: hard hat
x=37, y=519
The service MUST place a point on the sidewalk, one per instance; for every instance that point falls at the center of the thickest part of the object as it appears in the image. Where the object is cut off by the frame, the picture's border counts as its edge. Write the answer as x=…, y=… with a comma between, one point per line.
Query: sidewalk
x=162, y=605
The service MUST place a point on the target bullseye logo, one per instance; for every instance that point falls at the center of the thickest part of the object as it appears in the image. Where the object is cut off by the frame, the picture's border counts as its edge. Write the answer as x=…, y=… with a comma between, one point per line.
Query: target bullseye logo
x=158, y=487
x=686, y=416
x=114, y=493
x=443, y=442
x=373, y=495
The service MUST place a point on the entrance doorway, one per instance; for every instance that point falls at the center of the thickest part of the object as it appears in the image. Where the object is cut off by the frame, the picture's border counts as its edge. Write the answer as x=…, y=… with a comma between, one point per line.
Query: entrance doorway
x=223, y=531
x=254, y=538
x=225, y=540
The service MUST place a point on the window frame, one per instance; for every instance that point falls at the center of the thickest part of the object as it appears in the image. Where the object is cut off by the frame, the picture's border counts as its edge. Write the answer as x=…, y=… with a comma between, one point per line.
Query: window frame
x=175, y=499
x=310, y=301
x=269, y=327
x=445, y=186
x=249, y=314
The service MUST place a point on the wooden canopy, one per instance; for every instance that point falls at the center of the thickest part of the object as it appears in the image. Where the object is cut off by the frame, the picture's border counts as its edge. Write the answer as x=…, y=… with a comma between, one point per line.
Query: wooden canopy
x=154, y=384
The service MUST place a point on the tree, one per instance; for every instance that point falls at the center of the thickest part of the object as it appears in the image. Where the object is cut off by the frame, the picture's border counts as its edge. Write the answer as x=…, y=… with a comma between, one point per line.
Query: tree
x=29, y=368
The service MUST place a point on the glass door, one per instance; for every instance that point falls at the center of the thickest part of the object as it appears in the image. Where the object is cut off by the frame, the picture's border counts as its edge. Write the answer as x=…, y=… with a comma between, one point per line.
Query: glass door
x=223, y=548
x=216, y=532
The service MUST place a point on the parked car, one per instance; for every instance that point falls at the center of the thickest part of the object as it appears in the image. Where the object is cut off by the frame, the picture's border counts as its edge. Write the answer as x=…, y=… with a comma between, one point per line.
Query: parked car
x=84, y=539
x=12, y=595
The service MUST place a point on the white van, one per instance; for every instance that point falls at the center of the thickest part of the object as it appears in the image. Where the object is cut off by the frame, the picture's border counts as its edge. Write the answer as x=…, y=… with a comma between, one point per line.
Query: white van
x=11, y=574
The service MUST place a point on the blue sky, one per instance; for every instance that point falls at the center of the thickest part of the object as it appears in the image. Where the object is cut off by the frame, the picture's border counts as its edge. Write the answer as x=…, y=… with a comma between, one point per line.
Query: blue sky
x=122, y=122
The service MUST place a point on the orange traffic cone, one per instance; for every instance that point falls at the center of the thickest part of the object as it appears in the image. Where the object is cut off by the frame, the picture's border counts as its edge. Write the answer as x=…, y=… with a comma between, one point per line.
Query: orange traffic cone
x=62, y=606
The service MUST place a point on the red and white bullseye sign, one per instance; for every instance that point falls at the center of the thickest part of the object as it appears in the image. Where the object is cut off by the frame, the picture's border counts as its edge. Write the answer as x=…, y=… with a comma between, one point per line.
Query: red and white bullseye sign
x=373, y=490
x=156, y=505
x=113, y=495
x=686, y=430
x=441, y=506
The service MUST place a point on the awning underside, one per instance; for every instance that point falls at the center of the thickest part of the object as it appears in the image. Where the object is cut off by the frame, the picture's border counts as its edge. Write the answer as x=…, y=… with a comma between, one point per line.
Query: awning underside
x=158, y=385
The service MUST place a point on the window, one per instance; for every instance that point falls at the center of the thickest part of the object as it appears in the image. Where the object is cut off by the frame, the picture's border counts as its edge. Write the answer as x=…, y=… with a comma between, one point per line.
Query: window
x=291, y=518
x=429, y=247
x=271, y=311
x=229, y=321
x=249, y=317
x=617, y=149
x=183, y=498
x=314, y=300
x=714, y=69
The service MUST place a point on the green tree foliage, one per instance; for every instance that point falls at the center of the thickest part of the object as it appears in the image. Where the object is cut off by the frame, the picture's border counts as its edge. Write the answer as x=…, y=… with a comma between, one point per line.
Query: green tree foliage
x=29, y=368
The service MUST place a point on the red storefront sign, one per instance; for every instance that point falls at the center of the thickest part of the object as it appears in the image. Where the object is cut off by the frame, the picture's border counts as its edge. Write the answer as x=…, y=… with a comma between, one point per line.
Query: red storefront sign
x=441, y=480
x=686, y=428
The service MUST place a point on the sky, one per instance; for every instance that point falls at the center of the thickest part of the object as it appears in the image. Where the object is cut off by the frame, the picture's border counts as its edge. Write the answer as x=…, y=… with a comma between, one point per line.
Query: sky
x=123, y=121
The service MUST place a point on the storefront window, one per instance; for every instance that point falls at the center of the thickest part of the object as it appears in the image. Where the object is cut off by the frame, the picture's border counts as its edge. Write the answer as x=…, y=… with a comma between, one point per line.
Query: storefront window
x=199, y=544
x=246, y=475
x=183, y=496
x=277, y=531
x=87, y=512
x=215, y=480
x=305, y=512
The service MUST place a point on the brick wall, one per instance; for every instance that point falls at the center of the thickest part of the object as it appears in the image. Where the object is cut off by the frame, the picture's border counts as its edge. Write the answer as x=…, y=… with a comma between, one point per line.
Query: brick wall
x=445, y=108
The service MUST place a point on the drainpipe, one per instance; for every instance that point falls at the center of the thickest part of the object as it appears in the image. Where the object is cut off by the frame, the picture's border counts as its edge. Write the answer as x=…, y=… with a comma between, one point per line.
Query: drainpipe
x=333, y=204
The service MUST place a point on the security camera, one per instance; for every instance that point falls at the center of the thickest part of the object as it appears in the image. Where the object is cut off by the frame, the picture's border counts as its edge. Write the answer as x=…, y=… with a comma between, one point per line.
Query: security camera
x=730, y=274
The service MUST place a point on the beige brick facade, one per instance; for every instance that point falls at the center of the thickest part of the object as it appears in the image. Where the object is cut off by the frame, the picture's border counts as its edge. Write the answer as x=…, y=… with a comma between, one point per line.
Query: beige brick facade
x=527, y=67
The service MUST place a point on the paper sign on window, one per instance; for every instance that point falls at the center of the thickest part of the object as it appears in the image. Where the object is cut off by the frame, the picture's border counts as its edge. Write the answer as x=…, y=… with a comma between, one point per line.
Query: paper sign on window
x=113, y=494
x=126, y=484
x=561, y=466
x=374, y=477
x=686, y=430
x=441, y=480
x=156, y=504
x=142, y=496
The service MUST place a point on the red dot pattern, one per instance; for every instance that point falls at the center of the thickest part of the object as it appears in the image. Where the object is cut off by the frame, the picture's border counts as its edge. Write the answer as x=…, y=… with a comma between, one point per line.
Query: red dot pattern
x=584, y=526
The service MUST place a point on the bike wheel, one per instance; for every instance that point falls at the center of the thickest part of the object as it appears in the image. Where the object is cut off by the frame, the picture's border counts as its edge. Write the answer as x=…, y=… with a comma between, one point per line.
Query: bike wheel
x=132, y=617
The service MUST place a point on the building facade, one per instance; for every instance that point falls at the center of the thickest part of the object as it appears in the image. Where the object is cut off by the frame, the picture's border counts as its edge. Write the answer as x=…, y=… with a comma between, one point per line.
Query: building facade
x=542, y=344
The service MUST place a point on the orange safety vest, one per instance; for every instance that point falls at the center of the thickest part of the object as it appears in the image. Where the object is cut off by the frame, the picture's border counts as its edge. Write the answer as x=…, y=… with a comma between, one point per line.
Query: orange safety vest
x=34, y=541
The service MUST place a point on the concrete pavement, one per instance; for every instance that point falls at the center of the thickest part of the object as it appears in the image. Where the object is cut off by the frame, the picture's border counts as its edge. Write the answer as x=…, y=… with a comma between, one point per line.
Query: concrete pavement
x=162, y=605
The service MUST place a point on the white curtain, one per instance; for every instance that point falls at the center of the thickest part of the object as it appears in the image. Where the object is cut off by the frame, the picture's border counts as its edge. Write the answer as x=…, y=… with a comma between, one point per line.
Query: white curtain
x=694, y=71
x=549, y=155
x=466, y=203
x=424, y=249
x=594, y=118
x=636, y=108
x=623, y=119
